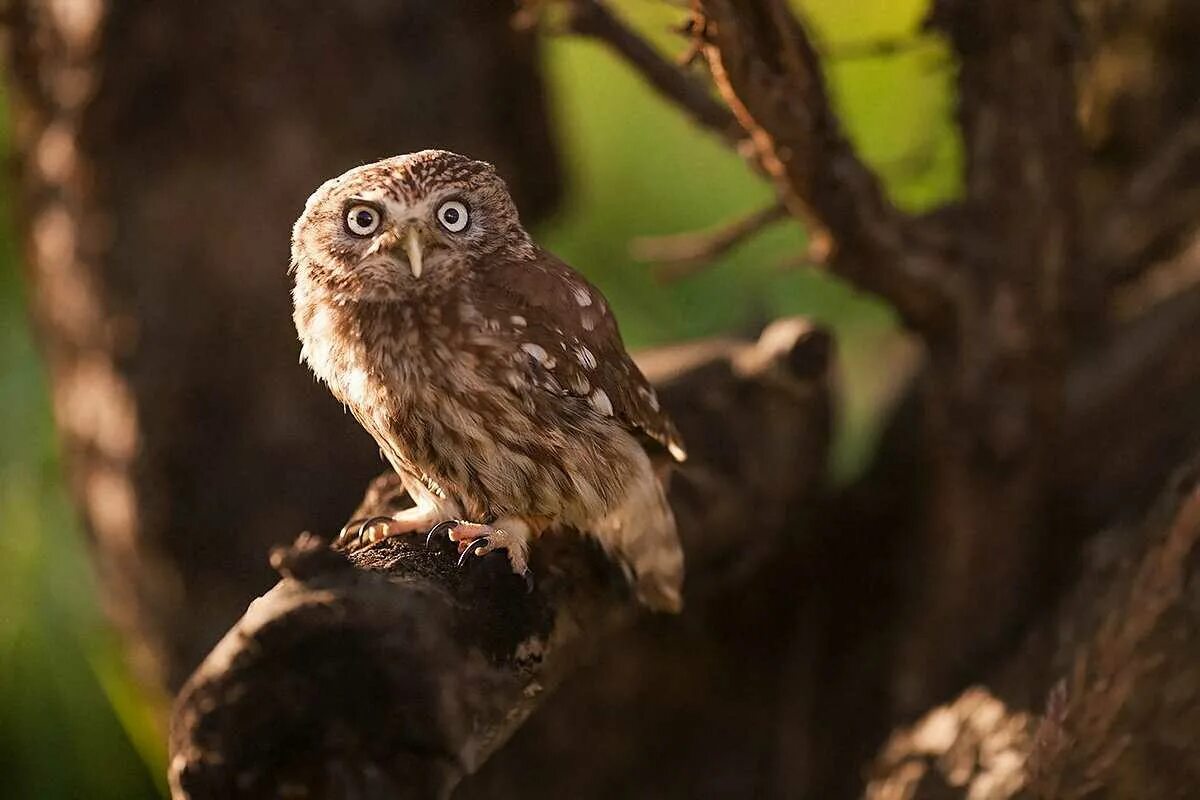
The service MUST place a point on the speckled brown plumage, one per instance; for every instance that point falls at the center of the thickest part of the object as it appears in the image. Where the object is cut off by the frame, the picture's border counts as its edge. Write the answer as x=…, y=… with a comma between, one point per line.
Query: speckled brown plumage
x=491, y=374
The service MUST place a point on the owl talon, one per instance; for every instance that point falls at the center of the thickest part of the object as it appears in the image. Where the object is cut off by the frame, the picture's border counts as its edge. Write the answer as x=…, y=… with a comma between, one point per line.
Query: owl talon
x=480, y=540
x=482, y=546
x=365, y=528
x=357, y=533
x=442, y=527
x=479, y=551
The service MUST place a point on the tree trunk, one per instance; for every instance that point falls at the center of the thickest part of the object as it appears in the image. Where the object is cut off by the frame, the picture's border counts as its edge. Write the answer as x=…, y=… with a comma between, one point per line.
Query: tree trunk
x=164, y=151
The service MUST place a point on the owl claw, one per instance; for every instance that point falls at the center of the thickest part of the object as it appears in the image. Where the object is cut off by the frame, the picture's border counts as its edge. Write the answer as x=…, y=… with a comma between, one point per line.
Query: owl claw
x=483, y=545
x=365, y=528
x=442, y=527
x=479, y=551
x=358, y=533
x=477, y=539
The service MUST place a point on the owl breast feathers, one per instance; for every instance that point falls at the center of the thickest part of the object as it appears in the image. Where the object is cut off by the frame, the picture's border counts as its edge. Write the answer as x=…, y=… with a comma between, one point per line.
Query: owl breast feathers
x=491, y=374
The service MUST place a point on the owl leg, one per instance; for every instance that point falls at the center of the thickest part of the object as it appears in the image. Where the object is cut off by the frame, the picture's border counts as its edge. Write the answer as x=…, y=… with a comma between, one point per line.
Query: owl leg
x=507, y=533
x=429, y=509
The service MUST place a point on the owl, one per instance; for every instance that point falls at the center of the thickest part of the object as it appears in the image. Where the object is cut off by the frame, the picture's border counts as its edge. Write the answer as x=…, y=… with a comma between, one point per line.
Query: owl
x=490, y=373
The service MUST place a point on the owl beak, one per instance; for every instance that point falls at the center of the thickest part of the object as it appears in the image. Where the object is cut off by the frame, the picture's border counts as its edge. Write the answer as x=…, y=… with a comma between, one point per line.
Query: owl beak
x=412, y=246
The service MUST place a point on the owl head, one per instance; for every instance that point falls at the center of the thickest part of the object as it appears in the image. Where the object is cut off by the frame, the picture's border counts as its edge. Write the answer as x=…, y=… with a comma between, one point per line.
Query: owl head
x=406, y=225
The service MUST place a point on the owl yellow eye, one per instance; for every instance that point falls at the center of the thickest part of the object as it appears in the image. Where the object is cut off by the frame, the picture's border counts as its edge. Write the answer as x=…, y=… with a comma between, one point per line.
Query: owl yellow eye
x=362, y=220
x=453, y=216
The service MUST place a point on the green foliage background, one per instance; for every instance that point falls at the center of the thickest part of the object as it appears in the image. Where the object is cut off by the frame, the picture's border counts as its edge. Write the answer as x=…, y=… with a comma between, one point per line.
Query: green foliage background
x=73, y=724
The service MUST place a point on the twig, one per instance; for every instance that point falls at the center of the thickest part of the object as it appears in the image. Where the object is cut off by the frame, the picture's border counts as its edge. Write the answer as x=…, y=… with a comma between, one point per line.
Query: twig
x=682, y=255
x=593, y=18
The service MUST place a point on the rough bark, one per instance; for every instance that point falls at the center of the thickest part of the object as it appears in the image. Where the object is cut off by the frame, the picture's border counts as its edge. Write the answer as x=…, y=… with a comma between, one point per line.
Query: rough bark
x=1100, y=700
x=163, y=152
x=395, y=673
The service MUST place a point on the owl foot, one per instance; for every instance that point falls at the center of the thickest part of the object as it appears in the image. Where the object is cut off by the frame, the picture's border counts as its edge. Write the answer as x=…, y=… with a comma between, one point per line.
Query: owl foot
x=478, y=539
x=483, y=539
x=360, y=533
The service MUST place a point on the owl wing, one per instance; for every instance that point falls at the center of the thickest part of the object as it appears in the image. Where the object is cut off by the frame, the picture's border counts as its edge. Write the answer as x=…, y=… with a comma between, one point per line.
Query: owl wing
x=573, y=345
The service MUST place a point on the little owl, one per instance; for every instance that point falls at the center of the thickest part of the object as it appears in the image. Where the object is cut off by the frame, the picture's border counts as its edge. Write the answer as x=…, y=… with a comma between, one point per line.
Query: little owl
x=491, y=374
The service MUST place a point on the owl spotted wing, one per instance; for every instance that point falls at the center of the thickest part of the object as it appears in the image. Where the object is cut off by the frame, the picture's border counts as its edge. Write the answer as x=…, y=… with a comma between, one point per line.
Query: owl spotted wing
x=573, y=345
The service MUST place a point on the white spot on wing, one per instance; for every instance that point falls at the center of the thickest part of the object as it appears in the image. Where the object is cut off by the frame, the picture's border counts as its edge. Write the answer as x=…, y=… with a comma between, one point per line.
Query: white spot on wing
x=518, y=320
x=677, y=452
x=601, y=402
x=583, y=296
x=588, y=322
x=580, y=384
x=537, y=352
x=585, y=357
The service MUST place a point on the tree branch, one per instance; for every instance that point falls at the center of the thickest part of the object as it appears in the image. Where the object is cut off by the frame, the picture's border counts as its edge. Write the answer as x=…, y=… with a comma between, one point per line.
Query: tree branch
x=767, y=70
x=685, y=254
x=593, y=18
x=394, y=673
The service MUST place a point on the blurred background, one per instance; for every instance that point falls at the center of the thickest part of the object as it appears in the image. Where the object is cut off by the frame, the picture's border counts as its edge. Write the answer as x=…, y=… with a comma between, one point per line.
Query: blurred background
x=75, y=722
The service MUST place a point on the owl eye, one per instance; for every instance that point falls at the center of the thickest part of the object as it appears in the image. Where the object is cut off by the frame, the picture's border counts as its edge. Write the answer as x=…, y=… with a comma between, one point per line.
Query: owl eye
x=362, y=220
x=453, y=216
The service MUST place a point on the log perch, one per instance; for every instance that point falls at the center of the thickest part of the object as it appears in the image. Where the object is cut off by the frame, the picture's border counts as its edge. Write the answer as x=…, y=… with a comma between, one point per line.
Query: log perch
x=392, y=672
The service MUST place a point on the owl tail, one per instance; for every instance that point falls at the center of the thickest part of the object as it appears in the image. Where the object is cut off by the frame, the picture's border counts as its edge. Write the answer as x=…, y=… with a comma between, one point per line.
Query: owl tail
x=641, y=533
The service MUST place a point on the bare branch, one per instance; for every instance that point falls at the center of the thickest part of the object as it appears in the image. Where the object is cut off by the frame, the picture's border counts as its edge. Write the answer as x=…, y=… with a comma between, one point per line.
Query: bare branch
x=593, y=18
x=685, y=254
x=767, y=69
